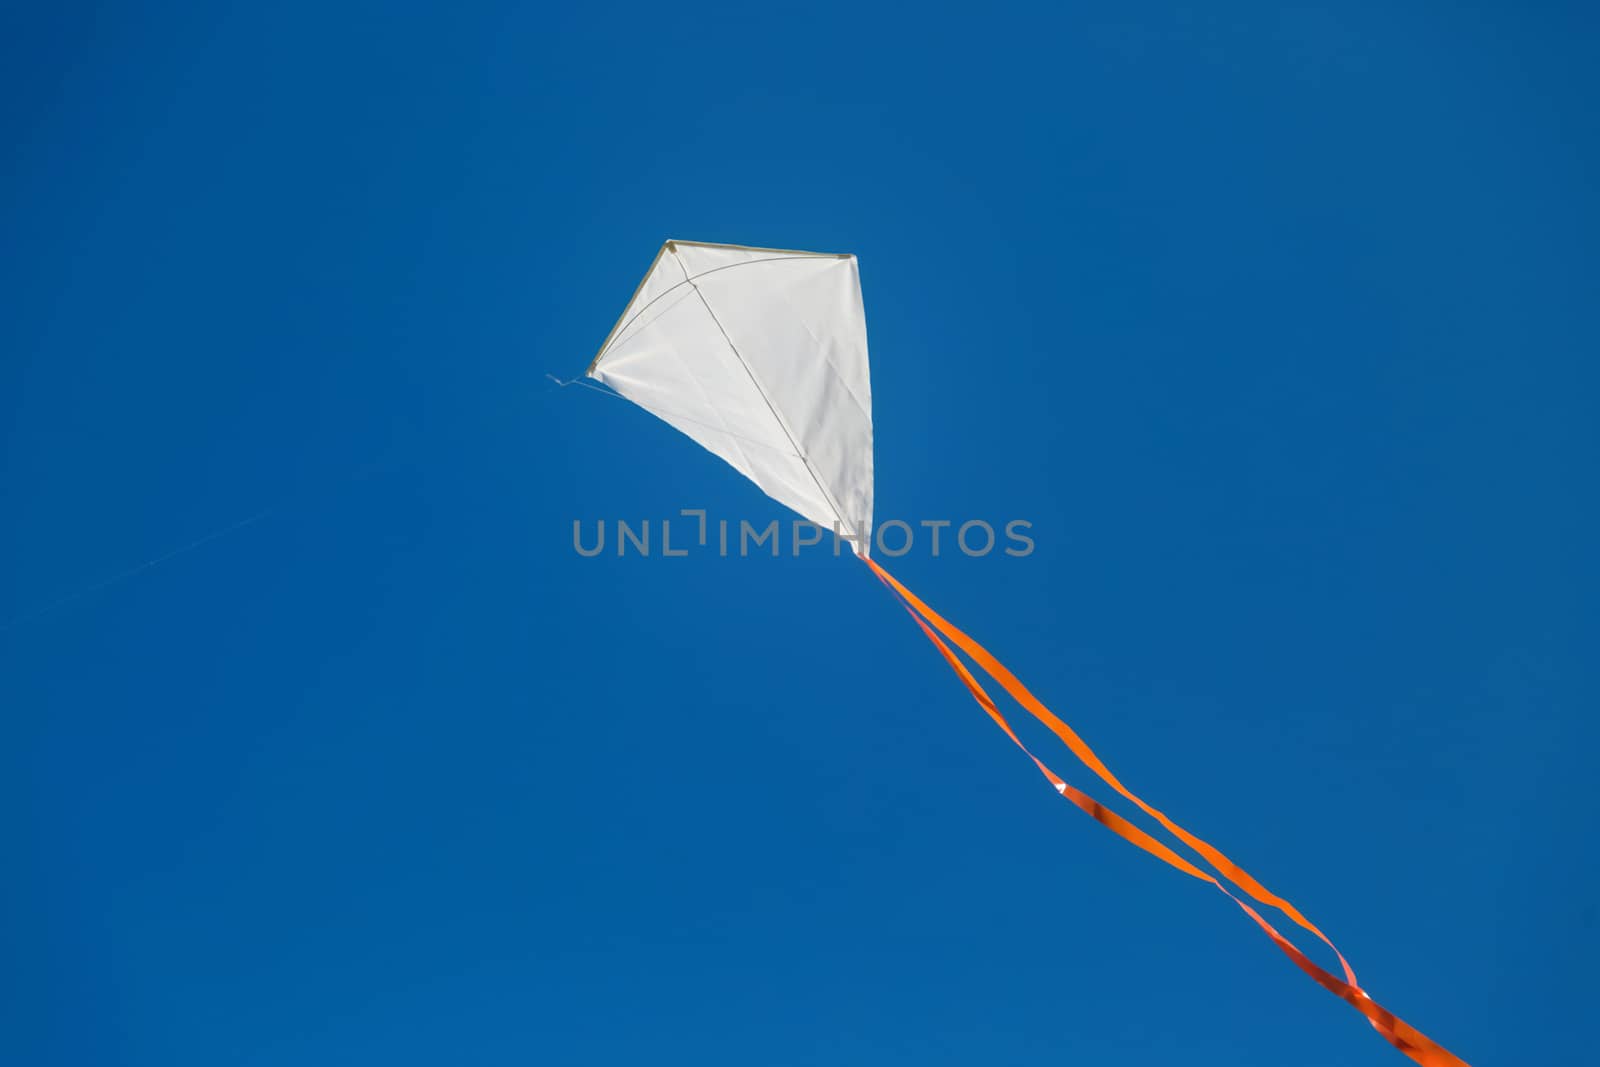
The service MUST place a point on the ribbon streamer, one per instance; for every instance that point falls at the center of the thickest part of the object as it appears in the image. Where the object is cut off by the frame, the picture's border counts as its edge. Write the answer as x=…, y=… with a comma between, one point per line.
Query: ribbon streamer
x=1405, y=1037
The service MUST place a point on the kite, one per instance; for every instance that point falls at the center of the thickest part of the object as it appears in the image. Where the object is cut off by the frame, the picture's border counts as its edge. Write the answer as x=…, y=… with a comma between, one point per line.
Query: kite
x=760, y=356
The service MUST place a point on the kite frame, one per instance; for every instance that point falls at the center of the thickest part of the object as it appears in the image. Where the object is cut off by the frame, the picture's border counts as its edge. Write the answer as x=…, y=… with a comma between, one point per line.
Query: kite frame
x=671, y=245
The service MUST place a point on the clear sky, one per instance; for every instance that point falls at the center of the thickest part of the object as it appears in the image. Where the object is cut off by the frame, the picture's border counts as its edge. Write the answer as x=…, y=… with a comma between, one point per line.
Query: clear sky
x=1277, y=323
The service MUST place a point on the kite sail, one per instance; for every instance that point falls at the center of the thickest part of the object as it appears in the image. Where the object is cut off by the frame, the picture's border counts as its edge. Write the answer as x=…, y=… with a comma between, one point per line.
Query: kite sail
x=760, y=355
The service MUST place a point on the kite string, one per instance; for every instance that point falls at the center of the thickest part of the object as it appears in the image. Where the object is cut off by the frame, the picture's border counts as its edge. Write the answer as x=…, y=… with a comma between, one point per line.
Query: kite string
x=290, y=503
x=131, y=571
x=667, y=416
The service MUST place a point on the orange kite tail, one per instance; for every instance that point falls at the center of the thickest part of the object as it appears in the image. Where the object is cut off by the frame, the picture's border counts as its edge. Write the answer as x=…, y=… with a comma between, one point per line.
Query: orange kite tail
x=1409, y=1040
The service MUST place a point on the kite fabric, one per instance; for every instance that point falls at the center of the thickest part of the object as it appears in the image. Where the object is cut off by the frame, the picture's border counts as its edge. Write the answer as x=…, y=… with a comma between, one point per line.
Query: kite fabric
x=760, y=355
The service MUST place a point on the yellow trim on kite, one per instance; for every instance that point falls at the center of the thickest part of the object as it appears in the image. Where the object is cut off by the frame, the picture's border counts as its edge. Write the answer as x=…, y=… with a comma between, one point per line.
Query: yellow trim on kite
x=758, y=248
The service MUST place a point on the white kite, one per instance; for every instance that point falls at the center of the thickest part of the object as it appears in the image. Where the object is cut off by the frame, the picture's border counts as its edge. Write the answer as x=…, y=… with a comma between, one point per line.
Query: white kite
x=760, y=355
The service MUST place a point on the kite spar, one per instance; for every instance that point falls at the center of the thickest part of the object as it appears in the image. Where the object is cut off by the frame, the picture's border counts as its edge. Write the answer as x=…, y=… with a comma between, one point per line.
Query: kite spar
x=760, y=355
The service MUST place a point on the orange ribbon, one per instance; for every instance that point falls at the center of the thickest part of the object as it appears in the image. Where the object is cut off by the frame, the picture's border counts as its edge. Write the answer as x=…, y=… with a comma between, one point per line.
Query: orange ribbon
x=1409, y=1040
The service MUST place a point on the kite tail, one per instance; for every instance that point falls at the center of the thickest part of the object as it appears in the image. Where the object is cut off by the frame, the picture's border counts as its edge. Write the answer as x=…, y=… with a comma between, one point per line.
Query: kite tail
x=1409, y=1040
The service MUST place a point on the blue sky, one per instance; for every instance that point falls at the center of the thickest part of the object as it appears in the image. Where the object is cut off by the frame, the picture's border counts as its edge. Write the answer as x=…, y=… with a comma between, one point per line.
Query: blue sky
x=1277, y=323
